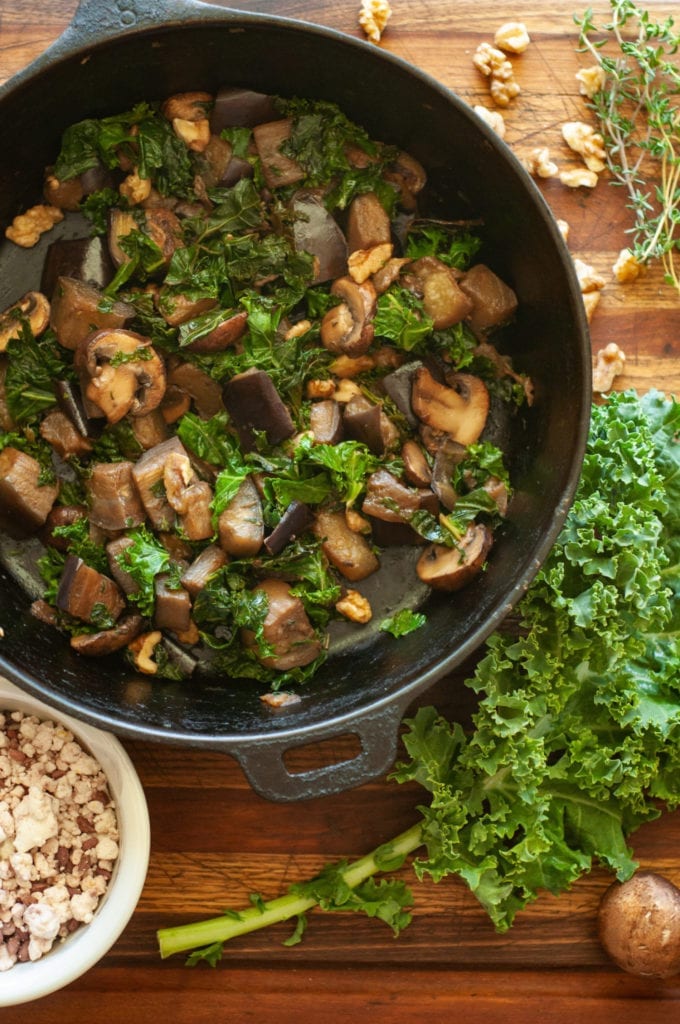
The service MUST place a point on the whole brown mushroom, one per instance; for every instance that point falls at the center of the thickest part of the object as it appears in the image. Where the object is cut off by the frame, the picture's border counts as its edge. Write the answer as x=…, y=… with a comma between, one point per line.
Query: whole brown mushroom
x=639, y=925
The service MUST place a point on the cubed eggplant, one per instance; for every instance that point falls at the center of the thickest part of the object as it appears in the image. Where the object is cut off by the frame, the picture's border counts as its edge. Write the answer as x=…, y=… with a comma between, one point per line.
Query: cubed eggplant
x=244, y=108
x=87, y=594
x=255, y=406
x=84, y=259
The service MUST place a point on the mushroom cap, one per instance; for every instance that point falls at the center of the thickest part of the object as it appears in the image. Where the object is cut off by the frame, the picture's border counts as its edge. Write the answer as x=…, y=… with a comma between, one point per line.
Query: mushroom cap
x=122, y=373
x=444, y=568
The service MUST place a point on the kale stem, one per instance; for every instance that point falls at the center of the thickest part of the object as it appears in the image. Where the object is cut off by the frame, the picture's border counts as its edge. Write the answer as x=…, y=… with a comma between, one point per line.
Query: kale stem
x=228, y=926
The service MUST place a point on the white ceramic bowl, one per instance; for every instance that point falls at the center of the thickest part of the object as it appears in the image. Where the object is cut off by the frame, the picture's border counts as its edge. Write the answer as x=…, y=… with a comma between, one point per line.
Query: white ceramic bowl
x=81, y=950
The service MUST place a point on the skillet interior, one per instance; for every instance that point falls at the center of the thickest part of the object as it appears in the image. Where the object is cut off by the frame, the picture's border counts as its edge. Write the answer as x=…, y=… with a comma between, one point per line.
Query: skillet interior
x=469, y=173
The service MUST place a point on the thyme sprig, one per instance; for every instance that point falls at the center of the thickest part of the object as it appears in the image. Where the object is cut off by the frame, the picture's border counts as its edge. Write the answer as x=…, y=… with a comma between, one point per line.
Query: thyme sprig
x=638, y=110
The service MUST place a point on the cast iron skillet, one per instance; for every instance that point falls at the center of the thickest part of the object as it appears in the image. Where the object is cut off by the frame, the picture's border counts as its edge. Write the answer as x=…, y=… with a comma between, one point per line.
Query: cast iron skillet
x=117, y=52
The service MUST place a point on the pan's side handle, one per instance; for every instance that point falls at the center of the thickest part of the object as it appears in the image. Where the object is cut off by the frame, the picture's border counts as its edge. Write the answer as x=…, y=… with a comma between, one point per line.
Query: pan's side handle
x=264, y=766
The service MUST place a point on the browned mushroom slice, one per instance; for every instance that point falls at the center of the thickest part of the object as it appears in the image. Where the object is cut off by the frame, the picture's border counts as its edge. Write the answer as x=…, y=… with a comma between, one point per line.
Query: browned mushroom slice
x=172, y=608
x=226, y=333
x=388, y=499
x=348, y=327
x=460, y=410
x=33, y=308
x=325, y=421
x=368, y=422
x=444, y=301
x=78, y=309
x=60, y=515
x=24, y=502
x=121, y=373
x=286, y=629
x=349, y=552
x=107, y=641
x=409, y=175
x=204, y=392
x=277, y=168
x=87, y=594
x=112, y=496
x=316, y=231
x=58, y=430
x=205, y=565
x=255, y=406
x=493, y=301
x=164, y=228
x=444, y=568
x=66, y=195
x=148, y=474
x=417, y=469
x=241, y=525
x=121, y=223
x=368, y=222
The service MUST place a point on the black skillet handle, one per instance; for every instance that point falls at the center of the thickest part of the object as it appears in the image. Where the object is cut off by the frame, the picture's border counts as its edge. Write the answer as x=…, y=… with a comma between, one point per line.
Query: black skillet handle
x=264, y=766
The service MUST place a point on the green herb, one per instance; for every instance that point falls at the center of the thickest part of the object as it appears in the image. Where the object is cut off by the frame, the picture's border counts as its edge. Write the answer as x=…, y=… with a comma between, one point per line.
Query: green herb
x=639, y=118
x=400, y=318
x=448, y=243
x=77, y=534
x=403, y=622
x=348, y=463
x=34, y=364
x=574, y=742
x=144, y=559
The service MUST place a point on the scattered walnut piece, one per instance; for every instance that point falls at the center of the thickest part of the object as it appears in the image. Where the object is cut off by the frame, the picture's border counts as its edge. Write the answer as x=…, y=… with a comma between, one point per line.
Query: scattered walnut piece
x=26, y=229
x=493, y=118
x=135, y=189
x=373, y=18
x=588, y=278
x=346, y=390
x=512, y=37
x=355, y=607
x=607, y=365
x=279, y=699
x=579, y=177
x=143, y=648
x=591, y=80
x=538, y=162
x=194, y=134
x=489, y=59
x=626, y=268
x=320, y=388
x=362, y=263
x=585, y=141
x=590, y=301
x=503, y=90
x=356, y=522
x=298, y=329
x=494, y=65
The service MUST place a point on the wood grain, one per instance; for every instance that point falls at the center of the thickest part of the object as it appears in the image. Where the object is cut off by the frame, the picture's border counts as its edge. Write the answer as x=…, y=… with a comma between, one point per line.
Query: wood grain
x=214, y=841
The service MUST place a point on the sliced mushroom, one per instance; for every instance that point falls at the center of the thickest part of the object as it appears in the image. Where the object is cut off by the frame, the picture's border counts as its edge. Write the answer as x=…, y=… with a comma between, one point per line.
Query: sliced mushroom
x=286, y=629
x=254, y=405
x=87, y=594
x=32, y=308
x=390, y=500
x=121, y=223
x=444, y=568
x=113, y=497
x=121, y=373
x=444, y=301
x=459, y=410
x=164, y=228
x=277, y=168
x=448, y=455
x=493, y=301
x=349, y=552
x=409, y=175
x=60, y=515
x=24, y=502
x=66, y=195
x=202, y=390
x=417, y=469
x=226, y=333
x=241, y=525
x=316, y=231
x=348, y=327
x=107, y=641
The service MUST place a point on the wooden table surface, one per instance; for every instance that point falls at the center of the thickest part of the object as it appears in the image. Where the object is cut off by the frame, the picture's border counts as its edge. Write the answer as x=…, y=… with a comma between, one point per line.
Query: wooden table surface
x=214, y=841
